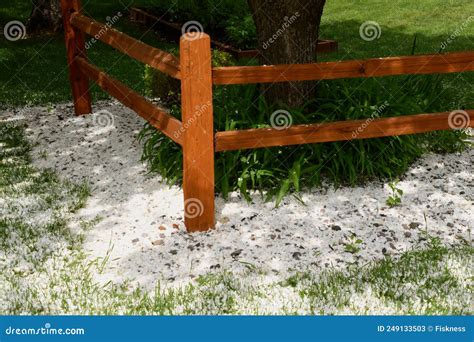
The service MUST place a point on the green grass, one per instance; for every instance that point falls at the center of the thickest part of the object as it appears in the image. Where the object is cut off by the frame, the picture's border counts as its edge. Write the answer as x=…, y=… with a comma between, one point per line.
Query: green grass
x=422, y=281
x=35, y=203
x=432, y=21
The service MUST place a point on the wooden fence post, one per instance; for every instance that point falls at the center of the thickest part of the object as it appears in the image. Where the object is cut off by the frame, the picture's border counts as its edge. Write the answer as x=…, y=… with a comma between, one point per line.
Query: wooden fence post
x=198, y=131
x=75, y=47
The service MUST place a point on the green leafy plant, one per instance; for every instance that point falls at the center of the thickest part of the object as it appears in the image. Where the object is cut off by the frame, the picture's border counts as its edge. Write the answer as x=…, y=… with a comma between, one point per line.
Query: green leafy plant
x=279, y=171
x=352, y=244
x=242, y=31
x=395, y=199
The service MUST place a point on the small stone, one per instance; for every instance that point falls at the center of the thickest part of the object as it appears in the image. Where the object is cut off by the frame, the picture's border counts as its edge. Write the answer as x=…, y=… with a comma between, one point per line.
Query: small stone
x=236, y=253
x=158, y=243
x=336, y=228
x=407, y=234
x=135, y=240
x=174, y=252
x=162, y=228
x=384, y=250
x=414, y=225
x=175, y=226
x=296, y=255
x=450, y=225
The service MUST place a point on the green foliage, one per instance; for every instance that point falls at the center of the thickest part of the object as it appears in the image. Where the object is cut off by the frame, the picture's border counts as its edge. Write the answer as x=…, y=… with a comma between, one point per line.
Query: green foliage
x=158, y=84
x=242, y=31
x=211, y=14
x=221, y=59
x=395, y=199
x=353, y=244
x=276, y=172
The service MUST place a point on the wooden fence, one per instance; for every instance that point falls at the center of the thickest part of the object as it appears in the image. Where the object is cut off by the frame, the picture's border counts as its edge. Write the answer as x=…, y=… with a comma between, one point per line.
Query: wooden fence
x=197, y=137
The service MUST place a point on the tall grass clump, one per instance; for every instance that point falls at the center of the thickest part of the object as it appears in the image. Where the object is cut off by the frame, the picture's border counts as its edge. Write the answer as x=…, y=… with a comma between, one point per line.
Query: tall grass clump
x=278, y=171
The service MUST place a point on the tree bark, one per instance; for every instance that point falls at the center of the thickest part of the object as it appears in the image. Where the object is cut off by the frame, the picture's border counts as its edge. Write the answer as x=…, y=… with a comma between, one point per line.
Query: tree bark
x=288, y=33
x=45, y=17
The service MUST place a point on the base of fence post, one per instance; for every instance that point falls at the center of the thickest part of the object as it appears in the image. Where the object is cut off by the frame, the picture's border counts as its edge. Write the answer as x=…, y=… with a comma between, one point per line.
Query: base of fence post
x=198, y=131
x=75, y=46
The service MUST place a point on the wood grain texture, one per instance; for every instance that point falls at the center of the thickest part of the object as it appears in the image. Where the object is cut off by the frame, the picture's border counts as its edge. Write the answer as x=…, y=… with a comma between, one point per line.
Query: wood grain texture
x=343, y=130
x=426, y=64
x=75, y=47
x=132, y=47
x=198, y=142
x=156, y=116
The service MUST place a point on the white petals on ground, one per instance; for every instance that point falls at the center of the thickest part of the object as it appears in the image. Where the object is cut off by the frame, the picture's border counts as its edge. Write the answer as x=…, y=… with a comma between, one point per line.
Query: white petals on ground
x=140, y=219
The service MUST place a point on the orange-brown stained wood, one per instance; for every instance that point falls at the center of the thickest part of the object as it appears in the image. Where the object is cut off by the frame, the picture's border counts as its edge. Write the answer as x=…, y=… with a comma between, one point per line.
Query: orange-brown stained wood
x=343, y=130
x=155, y=115
x=428, y=64
x=198, y=140
x=132, y=47
x=75, y=47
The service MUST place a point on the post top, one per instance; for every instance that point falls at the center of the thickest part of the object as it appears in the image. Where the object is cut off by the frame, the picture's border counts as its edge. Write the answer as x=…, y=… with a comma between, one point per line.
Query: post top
x=194, y=35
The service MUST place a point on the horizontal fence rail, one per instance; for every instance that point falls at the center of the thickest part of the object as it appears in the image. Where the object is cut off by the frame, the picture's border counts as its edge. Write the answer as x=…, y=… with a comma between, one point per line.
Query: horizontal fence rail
x=335, y=131
x=426, y=64
x=132, y=47
x=155, y=115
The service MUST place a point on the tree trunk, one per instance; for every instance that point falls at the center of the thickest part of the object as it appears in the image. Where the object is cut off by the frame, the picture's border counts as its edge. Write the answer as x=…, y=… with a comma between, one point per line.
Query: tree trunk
x=45, y=17
x=288, y=33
